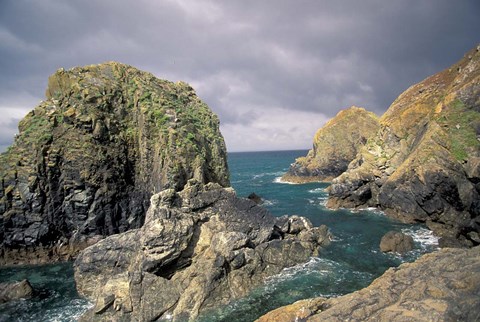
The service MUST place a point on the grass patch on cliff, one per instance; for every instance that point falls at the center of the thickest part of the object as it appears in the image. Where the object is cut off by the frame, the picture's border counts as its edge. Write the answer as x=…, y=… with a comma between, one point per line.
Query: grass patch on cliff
x=459, y=123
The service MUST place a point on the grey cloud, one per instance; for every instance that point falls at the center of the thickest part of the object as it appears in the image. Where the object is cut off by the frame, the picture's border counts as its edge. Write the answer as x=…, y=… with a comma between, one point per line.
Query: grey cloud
x=245, y=58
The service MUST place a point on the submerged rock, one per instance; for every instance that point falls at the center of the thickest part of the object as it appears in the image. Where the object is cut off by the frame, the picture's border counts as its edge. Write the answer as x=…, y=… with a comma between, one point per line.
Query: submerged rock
x=423, y=164
x=441, y=286
x=395, y=241
x=89, y=157
x=10, y=291
x=335, y=145
x=199, y=248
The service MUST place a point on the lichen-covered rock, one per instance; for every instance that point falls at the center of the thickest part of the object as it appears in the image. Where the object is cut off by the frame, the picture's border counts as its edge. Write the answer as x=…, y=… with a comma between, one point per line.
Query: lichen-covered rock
x=423, y=164
x=395, y=241
x=199, y=248
x=441, y=286
x=10, y=291
x=89, y=157
x=335, y=145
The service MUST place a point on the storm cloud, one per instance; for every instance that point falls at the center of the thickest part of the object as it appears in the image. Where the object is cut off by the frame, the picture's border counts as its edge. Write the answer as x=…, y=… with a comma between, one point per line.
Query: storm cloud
x=274, y=71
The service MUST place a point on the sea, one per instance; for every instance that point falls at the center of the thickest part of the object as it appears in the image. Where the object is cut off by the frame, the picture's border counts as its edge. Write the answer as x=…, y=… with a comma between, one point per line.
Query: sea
x=352, y=261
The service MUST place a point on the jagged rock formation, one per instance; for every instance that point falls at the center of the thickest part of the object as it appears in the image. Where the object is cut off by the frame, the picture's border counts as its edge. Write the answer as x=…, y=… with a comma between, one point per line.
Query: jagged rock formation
x=89, y=157
x=335, y=145
x=198, y=249
x=424, y=163
x=441, y=286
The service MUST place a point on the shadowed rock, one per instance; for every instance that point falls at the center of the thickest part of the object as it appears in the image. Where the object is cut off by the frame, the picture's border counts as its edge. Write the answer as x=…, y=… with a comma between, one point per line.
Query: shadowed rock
x=423, y=163
x=89, y=157
x=199, y=248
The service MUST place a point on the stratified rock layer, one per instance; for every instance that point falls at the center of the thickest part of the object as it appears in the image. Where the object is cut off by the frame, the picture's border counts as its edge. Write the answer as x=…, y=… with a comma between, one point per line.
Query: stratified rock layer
x=441, y=286
x=334, y=146
x=88, y=158
x=198, y=249
x=424, y=163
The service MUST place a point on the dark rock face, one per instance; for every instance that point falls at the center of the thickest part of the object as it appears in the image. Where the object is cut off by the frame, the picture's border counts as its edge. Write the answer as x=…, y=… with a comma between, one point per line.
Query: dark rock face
x=88, y=159
x=395, y=241
x=441, y=286
x=334, y=146
x=423, y=164
x=198, y=249
x=15, y=291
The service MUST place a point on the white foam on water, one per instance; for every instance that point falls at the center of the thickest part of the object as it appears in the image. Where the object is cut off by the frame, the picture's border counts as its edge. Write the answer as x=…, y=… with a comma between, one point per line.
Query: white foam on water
x=266, y=202
x=423, y=236
x=316, y=190
x=279, y=180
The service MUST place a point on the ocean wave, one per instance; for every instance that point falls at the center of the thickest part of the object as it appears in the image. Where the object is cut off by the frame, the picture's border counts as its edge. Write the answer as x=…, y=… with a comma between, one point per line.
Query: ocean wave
x=266, y=202
x=317, y=190
x=422, y=236
x=279, y=180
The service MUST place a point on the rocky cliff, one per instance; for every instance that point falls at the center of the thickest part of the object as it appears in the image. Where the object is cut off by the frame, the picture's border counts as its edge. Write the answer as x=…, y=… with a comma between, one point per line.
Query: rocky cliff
x=423, y=165
x=89, y=157
x=441, y=286
x=334, y=146
x=199, y=248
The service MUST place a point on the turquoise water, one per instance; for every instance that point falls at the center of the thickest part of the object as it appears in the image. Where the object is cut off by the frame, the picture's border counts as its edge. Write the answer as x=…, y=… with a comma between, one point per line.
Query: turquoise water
x=351, y=262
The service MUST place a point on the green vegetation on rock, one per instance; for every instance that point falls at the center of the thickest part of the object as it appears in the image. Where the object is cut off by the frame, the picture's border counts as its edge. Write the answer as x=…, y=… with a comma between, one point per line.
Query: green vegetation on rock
x=88, y=158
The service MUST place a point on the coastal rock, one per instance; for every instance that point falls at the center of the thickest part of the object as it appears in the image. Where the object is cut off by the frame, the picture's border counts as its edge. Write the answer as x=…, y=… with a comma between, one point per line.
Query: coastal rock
x=422, y=165
x=10, y=291
x=441, y=286
x=335, y=145
x=395, y=241
x=199, y=248
x=89, y=157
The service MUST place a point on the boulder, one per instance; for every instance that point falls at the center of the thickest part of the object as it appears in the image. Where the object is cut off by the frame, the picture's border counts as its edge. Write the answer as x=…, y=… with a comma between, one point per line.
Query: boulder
x=441, y=286
x=255, y=198
x=10, y=291
x=198, y=249
x=397, y=242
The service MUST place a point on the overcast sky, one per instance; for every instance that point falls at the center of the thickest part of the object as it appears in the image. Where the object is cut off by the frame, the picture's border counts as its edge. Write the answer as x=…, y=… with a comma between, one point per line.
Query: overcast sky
x=274, y=71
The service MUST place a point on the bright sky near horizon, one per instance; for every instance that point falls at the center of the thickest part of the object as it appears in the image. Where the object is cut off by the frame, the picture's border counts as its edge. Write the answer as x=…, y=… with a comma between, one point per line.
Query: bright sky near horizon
x=273, y=71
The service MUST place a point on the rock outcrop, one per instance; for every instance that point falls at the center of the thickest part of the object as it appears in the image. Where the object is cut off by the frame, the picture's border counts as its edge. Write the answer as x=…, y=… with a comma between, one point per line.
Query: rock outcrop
x=423, y=165
x=11, y=291
x=335, y=145
x=199, y=248
x=441, y=286
x=395, y=241
x=89, y=157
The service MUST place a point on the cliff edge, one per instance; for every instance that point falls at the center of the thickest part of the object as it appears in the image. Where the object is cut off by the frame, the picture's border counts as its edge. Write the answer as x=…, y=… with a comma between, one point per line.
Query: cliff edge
x=89, y=157
x=335, y=145
x=423, y=165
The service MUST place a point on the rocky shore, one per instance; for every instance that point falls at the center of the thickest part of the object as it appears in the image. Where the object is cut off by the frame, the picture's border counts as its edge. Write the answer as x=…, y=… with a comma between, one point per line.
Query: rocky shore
x=441, y=286
x=423, y=165
x=199, y=248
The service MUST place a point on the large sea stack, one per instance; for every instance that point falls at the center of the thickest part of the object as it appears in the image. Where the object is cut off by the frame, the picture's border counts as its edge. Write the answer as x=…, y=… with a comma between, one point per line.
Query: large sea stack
x=89, y=157
x=335, y=145
x=423, y=165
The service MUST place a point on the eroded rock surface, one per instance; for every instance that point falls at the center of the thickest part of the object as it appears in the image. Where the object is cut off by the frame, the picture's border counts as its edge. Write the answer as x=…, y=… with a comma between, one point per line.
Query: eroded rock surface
x=423, y=164
x=335, y=145
x=89, y=157
x=198, y=249
x=441, y=286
